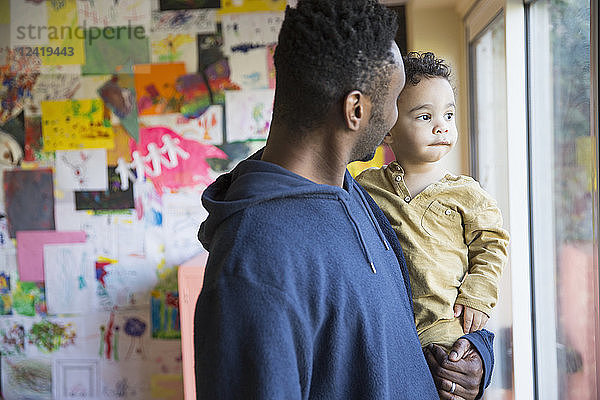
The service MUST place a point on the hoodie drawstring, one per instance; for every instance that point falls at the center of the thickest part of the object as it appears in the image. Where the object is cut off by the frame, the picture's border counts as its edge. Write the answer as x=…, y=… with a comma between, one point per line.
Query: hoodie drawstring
x=373, y=220
x=360, y=236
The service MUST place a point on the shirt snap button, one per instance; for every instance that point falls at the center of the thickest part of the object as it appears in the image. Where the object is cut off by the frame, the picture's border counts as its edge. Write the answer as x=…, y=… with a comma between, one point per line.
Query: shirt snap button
x=447, y=212
x=407, y=199
x=398, y=178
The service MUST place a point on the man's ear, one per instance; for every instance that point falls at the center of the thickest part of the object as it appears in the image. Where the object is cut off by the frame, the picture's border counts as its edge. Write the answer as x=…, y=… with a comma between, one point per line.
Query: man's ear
x=356, y=109
x=388, y=139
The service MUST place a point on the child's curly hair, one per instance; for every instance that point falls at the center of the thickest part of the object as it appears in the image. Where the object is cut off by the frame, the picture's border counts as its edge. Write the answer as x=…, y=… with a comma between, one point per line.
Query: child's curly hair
x=418, y=65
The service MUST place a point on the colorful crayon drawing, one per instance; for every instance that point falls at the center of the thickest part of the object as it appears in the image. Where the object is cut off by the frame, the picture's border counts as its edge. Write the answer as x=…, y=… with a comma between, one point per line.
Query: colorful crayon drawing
x=34, y=143
x=15, y=90
x=26, y=378
x=5, y=297
x=75, y=124
x=28, y=299
x=50, y=336
x=109, y=339
x=248, y=114
x=63, y=14
x=165, y=306
x=135, y=329
x=175, y=47
x=52, y=87
x=199, y=91
x=102, y=13
x=155, y=87
x=81, y=169
x=207, y=128
x=184, y=21
x=29, y=197
x=12, y=338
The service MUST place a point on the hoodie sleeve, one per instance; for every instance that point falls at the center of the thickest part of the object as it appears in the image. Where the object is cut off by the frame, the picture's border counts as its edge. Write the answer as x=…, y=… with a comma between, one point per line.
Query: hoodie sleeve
x=248, y=343
x=483, y=341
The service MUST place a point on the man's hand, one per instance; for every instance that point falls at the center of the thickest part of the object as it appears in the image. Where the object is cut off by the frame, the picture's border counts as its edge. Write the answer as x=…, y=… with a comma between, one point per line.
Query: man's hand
x=463, y=367
x=473, y=320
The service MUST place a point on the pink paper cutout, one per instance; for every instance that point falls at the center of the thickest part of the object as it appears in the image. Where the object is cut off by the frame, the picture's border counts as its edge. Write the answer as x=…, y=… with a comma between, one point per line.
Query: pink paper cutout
x=189, y=172
x=30, y=250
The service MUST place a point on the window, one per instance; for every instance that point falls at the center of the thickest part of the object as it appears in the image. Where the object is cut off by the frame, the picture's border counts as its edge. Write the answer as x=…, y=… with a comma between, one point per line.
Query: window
x=563, y=177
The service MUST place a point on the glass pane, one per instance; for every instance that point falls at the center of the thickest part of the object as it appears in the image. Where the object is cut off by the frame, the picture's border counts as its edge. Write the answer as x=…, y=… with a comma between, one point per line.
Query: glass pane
x=488, y=115
x=562, y=175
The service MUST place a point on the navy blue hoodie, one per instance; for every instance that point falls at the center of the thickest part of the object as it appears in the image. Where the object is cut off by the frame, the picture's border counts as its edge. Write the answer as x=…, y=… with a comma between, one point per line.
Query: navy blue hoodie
x=304, y=296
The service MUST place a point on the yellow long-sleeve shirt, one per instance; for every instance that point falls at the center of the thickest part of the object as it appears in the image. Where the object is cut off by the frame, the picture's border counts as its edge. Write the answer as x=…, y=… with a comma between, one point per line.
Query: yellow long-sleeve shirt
x=453, y=242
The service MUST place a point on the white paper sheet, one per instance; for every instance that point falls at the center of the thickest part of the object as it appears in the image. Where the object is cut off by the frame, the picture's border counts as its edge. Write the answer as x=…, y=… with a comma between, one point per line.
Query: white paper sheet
x=207, y=128
x=249, y=70
x=69, y=275
x=248, y=114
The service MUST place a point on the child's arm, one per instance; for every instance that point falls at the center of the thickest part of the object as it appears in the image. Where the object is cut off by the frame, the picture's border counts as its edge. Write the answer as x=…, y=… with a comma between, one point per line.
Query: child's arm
x=488, y=250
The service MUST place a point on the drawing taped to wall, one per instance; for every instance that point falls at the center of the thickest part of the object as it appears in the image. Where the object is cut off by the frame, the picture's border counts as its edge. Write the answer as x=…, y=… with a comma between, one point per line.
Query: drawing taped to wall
x=184, y=21
x=164, y=306
x=135, y=329
x=26, y=378
x=188, y=4
x=81, y=170
x=49, y=336
x=28, y=299
x=80, y=379
x=12, y=337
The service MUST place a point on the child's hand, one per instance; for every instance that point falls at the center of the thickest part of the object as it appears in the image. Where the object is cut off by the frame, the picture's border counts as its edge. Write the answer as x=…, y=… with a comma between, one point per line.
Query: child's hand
x=473, y=320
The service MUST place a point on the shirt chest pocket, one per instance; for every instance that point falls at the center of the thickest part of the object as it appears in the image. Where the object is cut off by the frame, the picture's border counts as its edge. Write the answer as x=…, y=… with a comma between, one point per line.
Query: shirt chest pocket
x=443, y=223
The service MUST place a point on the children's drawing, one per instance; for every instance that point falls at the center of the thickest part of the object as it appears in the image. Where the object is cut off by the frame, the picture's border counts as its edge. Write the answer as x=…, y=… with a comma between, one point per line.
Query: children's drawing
x=29, y=198
x=121, y=149
x=175, y=47
x=242, y=32
x=28, y=299
x=191, y=169
x=182, y=215
x=26, y=378
x=78, y=378
x=199, y=91
x=50, y=336
x=81, y=169
x=248, y=114
x=75, y=124
x=12, y=337
x=184, y=21
x=109, y=339
x=5, y=295
x=250, y=70
x=34, y=144
x=69, y=278
x=188, y=4
x=135, y=329
x=165, y=306
x=111, y=199
x=207, y=128
x=155, y=87
x=15, y=85
x=30, y=250
x=119, y=95
x=103, y=13
x=107, y=55
x=128, y=281
x=52, y=87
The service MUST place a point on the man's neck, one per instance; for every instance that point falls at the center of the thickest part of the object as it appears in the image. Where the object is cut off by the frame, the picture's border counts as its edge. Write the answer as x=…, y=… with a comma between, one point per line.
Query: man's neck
x=313, y=157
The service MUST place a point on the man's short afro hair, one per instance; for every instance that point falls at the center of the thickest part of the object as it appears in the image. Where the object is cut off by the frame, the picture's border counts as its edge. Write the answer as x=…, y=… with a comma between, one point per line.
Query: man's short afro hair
x=326, y=49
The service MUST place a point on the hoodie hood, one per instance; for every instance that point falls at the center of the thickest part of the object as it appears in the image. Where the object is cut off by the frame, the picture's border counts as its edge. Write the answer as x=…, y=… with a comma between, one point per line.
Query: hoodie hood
x=254, y=181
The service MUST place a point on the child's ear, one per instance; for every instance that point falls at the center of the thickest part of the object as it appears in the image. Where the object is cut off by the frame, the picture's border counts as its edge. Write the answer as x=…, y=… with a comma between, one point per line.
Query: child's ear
x=387, y=139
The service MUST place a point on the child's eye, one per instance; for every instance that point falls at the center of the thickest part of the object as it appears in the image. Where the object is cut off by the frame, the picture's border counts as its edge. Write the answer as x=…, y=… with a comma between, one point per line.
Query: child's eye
x=449, y=116
x=424, y=117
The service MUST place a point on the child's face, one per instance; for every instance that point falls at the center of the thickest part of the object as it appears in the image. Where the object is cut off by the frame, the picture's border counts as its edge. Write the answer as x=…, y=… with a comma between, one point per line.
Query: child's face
x=426, y=130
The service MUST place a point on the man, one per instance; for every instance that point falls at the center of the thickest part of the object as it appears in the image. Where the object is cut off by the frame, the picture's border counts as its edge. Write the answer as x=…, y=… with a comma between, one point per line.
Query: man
x=306, y=293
